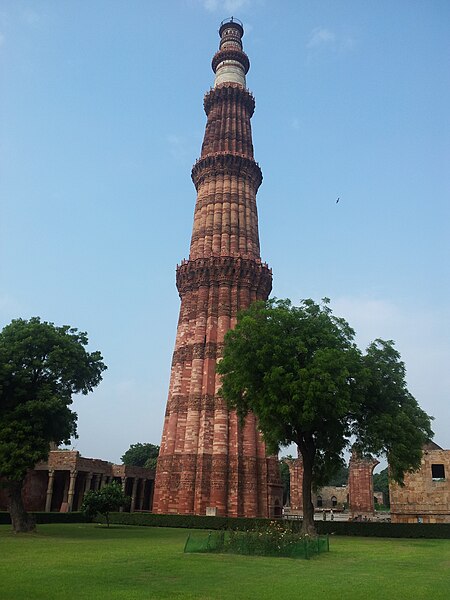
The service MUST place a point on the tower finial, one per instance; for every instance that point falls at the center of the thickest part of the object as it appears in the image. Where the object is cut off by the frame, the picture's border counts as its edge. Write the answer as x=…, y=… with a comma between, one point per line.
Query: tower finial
x=230, y=63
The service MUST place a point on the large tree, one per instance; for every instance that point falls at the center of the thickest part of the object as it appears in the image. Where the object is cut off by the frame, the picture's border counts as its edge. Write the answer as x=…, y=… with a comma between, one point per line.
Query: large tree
x=141, y=455
x=41, y=367
x=300, y=372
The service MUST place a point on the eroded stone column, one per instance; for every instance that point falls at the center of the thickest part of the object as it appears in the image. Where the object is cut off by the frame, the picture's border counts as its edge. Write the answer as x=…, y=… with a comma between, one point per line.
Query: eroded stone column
x=133, y=494
x=49, y=496
x=70, y=495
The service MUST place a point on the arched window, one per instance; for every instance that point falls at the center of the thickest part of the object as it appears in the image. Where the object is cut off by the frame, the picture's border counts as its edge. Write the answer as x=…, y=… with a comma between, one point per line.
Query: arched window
x=333, y=501
x=319, y=502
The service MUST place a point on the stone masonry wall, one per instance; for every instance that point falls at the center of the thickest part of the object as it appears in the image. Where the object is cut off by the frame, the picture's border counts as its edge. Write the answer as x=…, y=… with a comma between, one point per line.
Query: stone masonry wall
x=360, y=485
x=423, y=498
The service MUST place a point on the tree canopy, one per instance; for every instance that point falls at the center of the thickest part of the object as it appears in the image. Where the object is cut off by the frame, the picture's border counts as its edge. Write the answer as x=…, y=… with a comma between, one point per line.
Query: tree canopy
x=141, y=455
x=300, y=372
x=41, y=367
x=340, y=477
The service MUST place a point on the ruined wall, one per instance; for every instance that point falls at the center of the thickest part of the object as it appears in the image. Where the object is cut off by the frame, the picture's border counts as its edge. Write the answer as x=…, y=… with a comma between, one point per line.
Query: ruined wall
x=331, y=496
x=296, y=476
x=360, y=485
x=425, y=496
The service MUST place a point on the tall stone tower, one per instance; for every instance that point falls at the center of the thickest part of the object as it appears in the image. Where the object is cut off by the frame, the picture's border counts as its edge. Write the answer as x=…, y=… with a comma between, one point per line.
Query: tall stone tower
x=208, y=463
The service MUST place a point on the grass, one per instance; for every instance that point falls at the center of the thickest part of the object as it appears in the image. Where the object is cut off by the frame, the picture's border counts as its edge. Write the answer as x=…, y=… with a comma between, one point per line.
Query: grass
x=88, y=562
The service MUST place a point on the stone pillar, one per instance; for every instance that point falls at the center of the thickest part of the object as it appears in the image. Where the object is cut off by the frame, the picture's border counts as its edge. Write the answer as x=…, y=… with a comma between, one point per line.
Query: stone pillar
x=360, y=485
x=87, y=483
x=133, y=494
x=124, y=485
x=73, y=479
x=296, y=477
x=86, y=487
x=48, y=500
x=142, y=494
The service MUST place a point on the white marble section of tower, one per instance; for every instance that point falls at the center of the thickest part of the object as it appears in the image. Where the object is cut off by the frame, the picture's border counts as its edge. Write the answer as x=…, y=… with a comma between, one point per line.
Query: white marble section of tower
x=230, y=64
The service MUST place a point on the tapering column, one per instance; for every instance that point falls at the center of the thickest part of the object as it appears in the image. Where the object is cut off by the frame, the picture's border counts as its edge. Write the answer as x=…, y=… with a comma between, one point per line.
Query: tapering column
x=207, y=461
x=49, y=496
x=133, y=494
x=70, y=495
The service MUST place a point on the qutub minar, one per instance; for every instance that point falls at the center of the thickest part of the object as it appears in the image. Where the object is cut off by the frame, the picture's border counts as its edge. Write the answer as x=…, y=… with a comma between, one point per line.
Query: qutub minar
x=208, y=464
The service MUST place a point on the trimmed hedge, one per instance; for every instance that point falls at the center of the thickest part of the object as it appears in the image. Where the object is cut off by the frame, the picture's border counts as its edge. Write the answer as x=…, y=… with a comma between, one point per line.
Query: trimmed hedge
x=48, y=517
x=391, y=530
x=185, y=521
x=371, y=529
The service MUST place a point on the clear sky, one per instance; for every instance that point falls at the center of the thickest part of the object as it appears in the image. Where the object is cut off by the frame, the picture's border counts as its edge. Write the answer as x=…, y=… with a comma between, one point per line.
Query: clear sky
x=101, y=119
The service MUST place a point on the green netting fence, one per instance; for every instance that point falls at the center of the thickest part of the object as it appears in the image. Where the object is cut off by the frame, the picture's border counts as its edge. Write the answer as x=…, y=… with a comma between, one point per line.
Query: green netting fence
x=257, y=543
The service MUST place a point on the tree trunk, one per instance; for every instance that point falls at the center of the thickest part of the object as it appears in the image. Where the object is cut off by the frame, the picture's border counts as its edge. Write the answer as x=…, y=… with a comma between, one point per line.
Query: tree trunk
x=308, y=452
x=21, y=521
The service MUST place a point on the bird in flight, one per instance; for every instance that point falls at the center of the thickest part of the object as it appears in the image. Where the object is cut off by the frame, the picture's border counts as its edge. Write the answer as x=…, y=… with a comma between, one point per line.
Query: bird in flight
x=337, y=200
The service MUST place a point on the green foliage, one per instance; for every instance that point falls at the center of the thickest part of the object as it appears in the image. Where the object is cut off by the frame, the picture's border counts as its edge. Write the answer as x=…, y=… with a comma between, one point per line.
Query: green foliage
x=352, y=528
x=48, y=517
x=381, y=484
x=340, y=477
x=41, y=367
x=387, y=530
x=274, y=539
x=300, y=372
x=101, y=502
x=388, y=418
x=186, y=521
x=141, y=455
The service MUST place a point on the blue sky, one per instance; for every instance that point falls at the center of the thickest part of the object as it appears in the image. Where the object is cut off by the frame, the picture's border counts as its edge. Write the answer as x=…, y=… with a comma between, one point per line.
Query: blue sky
x=101, y=120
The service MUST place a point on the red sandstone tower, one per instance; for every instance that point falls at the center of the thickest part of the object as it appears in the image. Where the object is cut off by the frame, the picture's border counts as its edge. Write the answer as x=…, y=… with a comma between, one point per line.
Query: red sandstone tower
x=207, y=462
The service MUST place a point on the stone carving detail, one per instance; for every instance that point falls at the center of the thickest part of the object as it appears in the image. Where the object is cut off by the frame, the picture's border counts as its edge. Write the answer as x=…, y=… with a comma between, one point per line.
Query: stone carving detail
x=229, y=92
x=224, y=163
x=219, y=270
x=230, y=54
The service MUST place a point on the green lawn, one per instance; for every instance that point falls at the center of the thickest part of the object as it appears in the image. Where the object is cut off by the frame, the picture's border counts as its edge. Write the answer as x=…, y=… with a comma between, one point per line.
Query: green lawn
x=80, y=561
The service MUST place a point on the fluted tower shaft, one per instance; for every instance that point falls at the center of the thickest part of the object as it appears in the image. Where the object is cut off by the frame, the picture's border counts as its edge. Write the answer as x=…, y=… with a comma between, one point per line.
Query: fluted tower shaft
x=208, y=462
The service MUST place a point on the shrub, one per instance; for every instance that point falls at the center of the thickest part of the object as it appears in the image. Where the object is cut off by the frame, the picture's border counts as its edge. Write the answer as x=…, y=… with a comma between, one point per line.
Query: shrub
x=102, y=502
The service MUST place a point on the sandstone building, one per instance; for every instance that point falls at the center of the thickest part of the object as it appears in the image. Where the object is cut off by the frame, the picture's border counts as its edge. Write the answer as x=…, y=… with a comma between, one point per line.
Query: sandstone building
x=59, y=484
x=207, y=462
x=425, y=497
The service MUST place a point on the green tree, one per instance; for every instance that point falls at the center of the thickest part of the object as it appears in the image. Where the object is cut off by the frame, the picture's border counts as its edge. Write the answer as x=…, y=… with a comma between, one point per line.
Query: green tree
x=340, y=477
x=141, y=455
x=381, y=484
x=300, y=372
x=102, y=502
x=41, y=367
